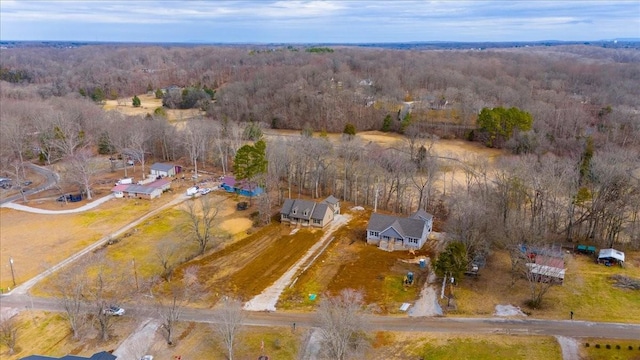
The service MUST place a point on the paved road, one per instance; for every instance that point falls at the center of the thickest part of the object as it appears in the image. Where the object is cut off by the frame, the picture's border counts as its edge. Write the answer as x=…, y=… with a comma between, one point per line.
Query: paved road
x=82, y=208
x=507, y=326
x=51, y=180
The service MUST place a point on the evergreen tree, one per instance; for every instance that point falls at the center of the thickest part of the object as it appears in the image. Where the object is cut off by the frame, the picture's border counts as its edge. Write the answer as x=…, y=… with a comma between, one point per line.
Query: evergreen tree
x=386, y=123
x=136, y=101
x=251, y=163
x=349, y=129
x=499, y=124
x=452, y=261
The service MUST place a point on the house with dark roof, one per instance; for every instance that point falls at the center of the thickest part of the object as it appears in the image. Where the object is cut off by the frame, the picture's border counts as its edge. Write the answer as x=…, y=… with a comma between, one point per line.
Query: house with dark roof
x=399, y=233
x=334, y=202
x=164, y=170
x=103, y=355
x=309, y=213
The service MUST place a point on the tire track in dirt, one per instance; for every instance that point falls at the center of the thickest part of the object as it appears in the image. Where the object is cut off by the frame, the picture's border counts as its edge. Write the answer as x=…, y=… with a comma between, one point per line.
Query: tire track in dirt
x=216, y=268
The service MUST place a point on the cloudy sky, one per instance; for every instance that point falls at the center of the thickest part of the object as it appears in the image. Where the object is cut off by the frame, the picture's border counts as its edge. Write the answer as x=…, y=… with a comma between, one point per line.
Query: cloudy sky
x=298, y=21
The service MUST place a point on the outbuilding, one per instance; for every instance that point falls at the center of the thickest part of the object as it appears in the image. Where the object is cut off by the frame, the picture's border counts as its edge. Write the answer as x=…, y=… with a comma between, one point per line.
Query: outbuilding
x=143, y=192
x=164, y=170
x=610, y=257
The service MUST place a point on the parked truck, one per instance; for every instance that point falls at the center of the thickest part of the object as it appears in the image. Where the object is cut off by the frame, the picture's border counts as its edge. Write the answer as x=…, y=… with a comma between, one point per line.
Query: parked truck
x=192, y=191
x=125, y=181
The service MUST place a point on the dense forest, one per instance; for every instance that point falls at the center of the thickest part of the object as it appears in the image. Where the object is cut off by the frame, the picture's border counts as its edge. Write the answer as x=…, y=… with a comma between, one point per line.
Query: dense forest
x=573, y=173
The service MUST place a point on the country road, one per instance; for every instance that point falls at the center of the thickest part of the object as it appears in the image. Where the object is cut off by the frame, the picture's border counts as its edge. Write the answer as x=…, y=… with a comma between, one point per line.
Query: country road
x=507, y=326
x=51, y=178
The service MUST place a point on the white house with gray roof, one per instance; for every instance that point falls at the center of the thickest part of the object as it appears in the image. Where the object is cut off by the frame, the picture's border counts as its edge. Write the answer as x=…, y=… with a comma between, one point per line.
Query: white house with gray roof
x=164, y=169
x=309, y=213
x=399, y=233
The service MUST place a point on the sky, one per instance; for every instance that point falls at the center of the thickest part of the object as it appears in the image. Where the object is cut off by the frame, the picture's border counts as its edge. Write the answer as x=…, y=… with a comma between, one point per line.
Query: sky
x=298, y=21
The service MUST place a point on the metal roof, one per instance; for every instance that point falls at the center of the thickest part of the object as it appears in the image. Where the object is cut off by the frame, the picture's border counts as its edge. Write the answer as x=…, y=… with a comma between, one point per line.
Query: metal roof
x=611, y=253
x=162, y=167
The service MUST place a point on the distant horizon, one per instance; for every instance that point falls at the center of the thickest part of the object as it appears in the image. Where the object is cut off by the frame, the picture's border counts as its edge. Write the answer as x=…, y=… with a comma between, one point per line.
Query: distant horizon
x=325, y=43
x=318, y=22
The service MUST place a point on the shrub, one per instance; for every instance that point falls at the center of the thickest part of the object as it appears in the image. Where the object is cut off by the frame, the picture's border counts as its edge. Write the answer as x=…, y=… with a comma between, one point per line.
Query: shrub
x=608, y=346
x=618, y=347
x=597, y=346
x=586, y=345
x=630, y=347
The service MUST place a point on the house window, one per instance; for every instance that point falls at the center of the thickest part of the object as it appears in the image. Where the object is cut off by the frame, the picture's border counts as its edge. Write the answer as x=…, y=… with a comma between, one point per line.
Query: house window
x=413, y=240
x=316, y=221
x=306, y=212
x=386, y=237
x=374, y=233
x=285, y=216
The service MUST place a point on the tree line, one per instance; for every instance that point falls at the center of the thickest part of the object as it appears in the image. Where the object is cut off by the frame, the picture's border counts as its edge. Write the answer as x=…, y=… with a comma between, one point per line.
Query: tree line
x=285, y=88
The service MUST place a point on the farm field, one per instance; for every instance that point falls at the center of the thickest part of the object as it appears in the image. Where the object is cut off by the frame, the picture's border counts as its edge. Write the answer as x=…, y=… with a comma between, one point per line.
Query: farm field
x=148, y=104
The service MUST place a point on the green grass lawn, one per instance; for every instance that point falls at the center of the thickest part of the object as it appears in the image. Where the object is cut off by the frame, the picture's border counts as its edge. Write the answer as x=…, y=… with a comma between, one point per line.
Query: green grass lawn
x=617, y=349
x=489, y=348
x=588, y=291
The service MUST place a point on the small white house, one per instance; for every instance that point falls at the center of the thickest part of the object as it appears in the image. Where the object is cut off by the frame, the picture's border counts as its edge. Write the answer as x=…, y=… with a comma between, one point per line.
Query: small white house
x=164, y=170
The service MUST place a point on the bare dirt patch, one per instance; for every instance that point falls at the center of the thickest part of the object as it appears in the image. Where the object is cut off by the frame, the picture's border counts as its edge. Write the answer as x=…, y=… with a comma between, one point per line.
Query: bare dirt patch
x=245, y=267
x=350, y=263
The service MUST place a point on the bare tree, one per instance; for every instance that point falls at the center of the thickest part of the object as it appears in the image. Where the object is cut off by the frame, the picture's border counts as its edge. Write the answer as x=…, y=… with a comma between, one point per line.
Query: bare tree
x=104, y=290
x=202, y=213
x=229, y=319
x=166, y=255
x=171, y=308
x=71, y=286
x=81, y=170
x=195, y=140
x=138, y=138
x=342, y=325
x=67, y=134
x=15, y=134
x=9, y=333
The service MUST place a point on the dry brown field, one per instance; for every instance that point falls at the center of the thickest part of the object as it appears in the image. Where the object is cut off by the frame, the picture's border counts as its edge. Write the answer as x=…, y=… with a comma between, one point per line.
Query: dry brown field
x=148, y=104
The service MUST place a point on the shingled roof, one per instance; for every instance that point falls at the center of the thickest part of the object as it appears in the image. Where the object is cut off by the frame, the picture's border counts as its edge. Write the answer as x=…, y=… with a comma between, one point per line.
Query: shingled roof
x=313, y=210
x=407, y=227
x=103, y=355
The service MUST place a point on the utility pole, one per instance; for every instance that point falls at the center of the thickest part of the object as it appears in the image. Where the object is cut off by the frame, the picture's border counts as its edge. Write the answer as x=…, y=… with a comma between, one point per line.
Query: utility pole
x=13, y=274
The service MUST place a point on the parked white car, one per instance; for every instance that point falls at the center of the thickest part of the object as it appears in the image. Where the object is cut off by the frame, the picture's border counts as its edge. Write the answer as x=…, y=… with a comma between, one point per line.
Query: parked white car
x=114, y=311
x=205, y=191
